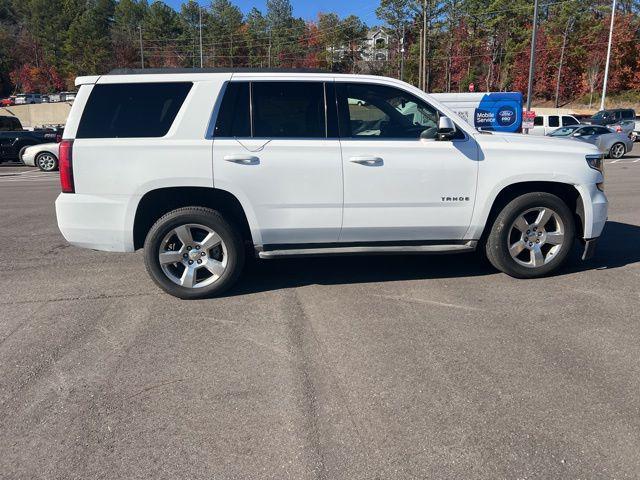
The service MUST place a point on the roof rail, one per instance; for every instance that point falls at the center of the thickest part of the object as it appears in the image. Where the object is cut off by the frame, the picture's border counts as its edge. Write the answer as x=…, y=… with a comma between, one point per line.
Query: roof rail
x=156, y=71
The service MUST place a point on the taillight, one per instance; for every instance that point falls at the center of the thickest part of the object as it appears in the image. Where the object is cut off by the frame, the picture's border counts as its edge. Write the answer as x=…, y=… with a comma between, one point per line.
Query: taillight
x=66, y=166
x=58, y=138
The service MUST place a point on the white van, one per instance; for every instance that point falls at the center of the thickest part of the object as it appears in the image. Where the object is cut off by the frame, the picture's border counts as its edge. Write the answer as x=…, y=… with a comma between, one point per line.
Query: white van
x=545, y=124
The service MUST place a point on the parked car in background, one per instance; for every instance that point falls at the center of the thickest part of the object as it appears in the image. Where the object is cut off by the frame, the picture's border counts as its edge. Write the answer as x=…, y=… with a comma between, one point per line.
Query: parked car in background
x=68, y=96
x=14, y=138
x=28, y=98
x=613, y=116
x=43, y=156
x=7, y=102
x=612, y=144
x=545, y=124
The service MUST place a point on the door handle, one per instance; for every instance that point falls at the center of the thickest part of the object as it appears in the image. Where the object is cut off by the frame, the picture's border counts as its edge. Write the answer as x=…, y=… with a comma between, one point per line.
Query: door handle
x=368, y=161
x=242, y=159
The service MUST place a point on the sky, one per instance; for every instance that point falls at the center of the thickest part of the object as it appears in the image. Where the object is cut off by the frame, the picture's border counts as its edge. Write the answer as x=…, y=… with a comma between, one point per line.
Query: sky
x=308, y=9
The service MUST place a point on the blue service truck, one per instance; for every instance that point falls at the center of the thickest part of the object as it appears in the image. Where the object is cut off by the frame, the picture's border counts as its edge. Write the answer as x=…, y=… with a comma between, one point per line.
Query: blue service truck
x=492, y=111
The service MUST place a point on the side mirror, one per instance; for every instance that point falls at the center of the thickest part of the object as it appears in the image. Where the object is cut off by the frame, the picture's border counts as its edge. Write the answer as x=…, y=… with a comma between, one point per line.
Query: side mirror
x=577, y=134
x=446, y=129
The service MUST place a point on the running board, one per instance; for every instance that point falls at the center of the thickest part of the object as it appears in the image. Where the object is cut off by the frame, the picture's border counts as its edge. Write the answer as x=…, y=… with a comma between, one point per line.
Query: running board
x=372, y=250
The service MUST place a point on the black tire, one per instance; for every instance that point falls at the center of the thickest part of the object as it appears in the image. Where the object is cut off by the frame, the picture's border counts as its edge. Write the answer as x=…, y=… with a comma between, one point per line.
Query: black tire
x=21, y=152
x=614, y=147
x=235, y=253
x=501, y=236
x=52, y=168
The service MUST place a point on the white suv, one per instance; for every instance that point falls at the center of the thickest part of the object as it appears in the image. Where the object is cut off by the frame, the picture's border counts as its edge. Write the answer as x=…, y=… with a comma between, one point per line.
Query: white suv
x=199, y=167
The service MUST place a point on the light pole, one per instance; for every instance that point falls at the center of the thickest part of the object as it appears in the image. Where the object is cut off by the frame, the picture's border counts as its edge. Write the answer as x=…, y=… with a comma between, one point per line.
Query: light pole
x=141, y=50
x=402, y=54
x=532, y=60
x=200, y=28
x=606, y=67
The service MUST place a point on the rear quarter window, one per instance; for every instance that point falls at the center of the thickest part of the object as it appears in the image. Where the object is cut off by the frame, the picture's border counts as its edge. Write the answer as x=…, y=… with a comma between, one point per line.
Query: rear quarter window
x=132, y=110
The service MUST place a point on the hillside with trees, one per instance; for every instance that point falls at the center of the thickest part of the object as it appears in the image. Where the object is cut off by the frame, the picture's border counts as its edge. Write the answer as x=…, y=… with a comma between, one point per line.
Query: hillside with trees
x=44, y=44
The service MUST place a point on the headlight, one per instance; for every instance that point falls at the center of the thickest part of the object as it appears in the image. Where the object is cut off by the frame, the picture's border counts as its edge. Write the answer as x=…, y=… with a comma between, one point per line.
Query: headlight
x=595, y=161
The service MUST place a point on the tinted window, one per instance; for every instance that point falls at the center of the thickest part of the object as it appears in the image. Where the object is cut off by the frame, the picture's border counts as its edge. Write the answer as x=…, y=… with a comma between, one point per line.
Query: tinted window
x=564, y=132
x=537, y=121
x=288, y=109
x=378, y=111
x=628, y=114
x=130, y=110
x=569, y=121
x=554, y=121
x=233, y=118
x=601, y=130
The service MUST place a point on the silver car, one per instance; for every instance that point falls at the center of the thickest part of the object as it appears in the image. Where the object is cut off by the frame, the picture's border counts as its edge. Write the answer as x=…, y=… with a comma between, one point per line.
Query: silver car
x=44, y=156
x=612, y=144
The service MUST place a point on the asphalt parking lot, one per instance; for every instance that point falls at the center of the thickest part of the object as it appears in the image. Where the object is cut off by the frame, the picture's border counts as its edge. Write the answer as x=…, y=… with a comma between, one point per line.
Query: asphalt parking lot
x=339, y=368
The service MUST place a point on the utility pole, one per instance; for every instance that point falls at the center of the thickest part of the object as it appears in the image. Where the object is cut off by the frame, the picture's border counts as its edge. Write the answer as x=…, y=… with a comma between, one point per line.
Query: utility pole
x=606, y=66
x=200, y=28
x=141, y=50
x=402, y=54
x=532, y=60
x=269, y=50
x=424, y=45
x=564, y=45
x=420, y=62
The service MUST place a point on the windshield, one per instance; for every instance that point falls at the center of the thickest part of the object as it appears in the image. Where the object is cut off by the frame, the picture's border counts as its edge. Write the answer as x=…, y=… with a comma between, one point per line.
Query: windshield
x=564, y=131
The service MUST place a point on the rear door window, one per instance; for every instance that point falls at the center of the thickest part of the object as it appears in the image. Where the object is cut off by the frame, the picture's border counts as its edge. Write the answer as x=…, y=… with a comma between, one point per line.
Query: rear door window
x=554, y=121
x=234, y=118
x=288, y=110
x=132, y=110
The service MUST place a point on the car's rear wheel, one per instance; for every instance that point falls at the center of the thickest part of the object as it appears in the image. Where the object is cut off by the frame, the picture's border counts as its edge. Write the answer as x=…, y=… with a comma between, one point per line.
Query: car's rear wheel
x=617, y=150
x=193, y=252
x=47, y=162
x=532, y=236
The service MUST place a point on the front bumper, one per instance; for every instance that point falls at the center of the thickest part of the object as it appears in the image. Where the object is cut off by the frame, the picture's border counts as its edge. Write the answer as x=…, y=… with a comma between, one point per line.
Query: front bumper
x=595, y=210
x=590, y=246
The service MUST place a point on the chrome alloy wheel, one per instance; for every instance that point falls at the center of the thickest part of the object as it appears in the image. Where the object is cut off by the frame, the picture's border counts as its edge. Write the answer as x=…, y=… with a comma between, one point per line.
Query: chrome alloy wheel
x=46, y=161
x=193, y=256
x=536, y=237
x=617, y=150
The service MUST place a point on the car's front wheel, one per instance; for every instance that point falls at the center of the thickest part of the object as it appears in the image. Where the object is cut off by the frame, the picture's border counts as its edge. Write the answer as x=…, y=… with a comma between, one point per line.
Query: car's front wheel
x=193, y=252
x=47, y=162
x=617, y=150
x=531, y=236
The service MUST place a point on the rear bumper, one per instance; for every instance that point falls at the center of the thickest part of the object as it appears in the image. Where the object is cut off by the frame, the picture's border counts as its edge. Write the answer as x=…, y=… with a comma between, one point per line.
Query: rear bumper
x=96, y=222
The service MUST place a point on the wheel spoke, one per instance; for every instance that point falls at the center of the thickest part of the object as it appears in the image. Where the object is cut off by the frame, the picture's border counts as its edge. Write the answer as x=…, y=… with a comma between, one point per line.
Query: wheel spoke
x=170, y=257
x=543, y=217
x=555, y=238
x=210, y=241
x=537, y=258
x=184, y=235
x=516, y=248
x=521, y=224
x=188, y=277
x=214, y=267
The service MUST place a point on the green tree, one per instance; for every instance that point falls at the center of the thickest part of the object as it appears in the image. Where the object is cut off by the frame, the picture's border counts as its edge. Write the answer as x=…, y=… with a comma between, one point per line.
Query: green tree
x=88, y=48
x=225, y=31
